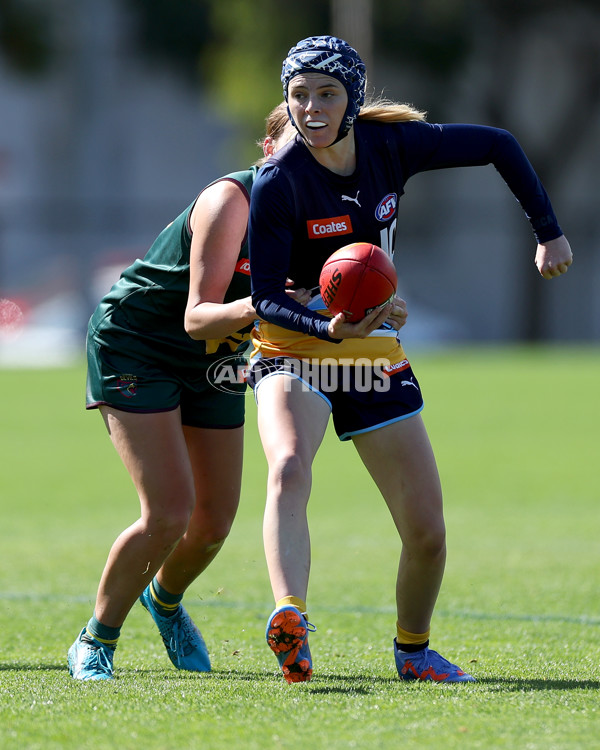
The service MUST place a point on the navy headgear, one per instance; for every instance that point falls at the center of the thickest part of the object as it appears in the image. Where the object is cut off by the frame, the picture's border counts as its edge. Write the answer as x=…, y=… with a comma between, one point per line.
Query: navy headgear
x=333, y=57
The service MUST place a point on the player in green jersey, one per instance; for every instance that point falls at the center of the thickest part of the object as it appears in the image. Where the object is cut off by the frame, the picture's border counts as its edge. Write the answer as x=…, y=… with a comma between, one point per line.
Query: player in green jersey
x=151, y=343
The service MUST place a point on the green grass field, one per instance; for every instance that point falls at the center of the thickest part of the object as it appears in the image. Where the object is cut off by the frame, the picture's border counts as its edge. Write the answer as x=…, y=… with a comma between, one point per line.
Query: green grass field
x=516, y=434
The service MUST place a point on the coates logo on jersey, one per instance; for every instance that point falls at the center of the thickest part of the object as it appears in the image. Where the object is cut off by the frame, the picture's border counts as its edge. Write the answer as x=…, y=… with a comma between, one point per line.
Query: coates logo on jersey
x=243, y=266
x=332, y=227
x=397, y=367
x=387, y=207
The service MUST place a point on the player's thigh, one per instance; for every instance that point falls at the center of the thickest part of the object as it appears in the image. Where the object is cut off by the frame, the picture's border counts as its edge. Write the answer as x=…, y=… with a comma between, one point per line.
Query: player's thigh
x=400, y=460
x=153, y=449
x=292, y=419
x=216, y=456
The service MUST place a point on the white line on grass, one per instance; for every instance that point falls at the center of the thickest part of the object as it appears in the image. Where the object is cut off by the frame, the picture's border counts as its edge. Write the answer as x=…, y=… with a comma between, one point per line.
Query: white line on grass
x=192, y=601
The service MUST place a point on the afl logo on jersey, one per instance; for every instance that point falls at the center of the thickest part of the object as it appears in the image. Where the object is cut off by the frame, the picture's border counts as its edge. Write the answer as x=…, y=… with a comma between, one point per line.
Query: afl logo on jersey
x=387, y=207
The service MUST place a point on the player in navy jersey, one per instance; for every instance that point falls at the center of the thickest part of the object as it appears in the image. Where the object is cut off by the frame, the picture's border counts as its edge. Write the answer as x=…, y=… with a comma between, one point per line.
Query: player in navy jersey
x=340, y=181
x=151, y=343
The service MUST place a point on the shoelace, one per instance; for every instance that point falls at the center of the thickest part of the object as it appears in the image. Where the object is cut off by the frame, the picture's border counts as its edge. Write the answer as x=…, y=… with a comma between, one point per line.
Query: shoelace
x=309, y=626
x=182, y=634
x=99, y=659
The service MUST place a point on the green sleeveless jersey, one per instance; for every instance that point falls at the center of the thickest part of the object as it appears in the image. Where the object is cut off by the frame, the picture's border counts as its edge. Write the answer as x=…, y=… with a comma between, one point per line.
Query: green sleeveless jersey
x=148, y=301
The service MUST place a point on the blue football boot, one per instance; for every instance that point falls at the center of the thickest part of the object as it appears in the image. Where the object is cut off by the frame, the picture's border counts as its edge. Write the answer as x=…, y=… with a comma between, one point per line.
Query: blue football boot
x=89, y=659
x=427, y=664
x=287, y=636
x=183, y=641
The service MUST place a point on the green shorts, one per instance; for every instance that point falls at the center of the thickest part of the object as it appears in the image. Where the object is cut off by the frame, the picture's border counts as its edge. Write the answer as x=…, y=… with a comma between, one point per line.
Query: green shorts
x=128, y=374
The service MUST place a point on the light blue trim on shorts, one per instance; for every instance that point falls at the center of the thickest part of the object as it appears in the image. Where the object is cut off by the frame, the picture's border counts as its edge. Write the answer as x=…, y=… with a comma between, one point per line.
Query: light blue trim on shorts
x=296, y=377
x=347, y=435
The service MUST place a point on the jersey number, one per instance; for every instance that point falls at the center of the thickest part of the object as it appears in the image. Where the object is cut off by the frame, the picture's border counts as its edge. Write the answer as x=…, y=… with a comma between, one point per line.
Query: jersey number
x=388, y=235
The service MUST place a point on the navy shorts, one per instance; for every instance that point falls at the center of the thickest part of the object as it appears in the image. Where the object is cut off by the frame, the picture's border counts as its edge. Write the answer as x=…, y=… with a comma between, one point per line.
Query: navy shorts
x=362, y=398
x=125, y=376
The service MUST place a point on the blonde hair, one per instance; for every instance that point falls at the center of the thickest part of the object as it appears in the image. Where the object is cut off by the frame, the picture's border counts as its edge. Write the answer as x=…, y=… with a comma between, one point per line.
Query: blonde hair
x=275, y=125
x=385, y=110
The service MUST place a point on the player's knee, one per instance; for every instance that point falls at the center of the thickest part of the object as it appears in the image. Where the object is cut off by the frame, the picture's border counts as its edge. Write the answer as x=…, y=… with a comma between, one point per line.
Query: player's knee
x=213, y=546
x=289, y=470
x=429, y=542
x=170, y=524
x=209, y=539
x=217, y=532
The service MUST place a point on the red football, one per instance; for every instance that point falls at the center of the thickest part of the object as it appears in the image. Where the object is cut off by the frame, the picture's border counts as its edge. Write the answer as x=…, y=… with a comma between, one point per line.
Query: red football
x=356, y=279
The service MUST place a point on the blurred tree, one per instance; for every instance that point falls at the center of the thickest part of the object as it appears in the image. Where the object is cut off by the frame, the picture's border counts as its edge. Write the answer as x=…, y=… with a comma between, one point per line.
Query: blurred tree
x=242, y=63
x=430, y=34
x=173, y=31
x=232, y=48
x=23, y=39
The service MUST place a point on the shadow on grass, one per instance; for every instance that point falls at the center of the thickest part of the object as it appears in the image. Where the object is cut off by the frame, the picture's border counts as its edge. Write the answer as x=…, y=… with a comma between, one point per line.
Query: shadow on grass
x=321, y=683
x=363, y=684
x=17, y=667
x=517, y=685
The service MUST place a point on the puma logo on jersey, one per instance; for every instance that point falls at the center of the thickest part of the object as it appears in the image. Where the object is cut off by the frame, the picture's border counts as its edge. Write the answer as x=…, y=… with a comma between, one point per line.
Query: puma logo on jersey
x=336, y=225
x=409, y=382
x=354, y=200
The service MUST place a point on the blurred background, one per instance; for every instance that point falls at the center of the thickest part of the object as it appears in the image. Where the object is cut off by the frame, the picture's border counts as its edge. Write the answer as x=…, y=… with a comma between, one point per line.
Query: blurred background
x=114, y=114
